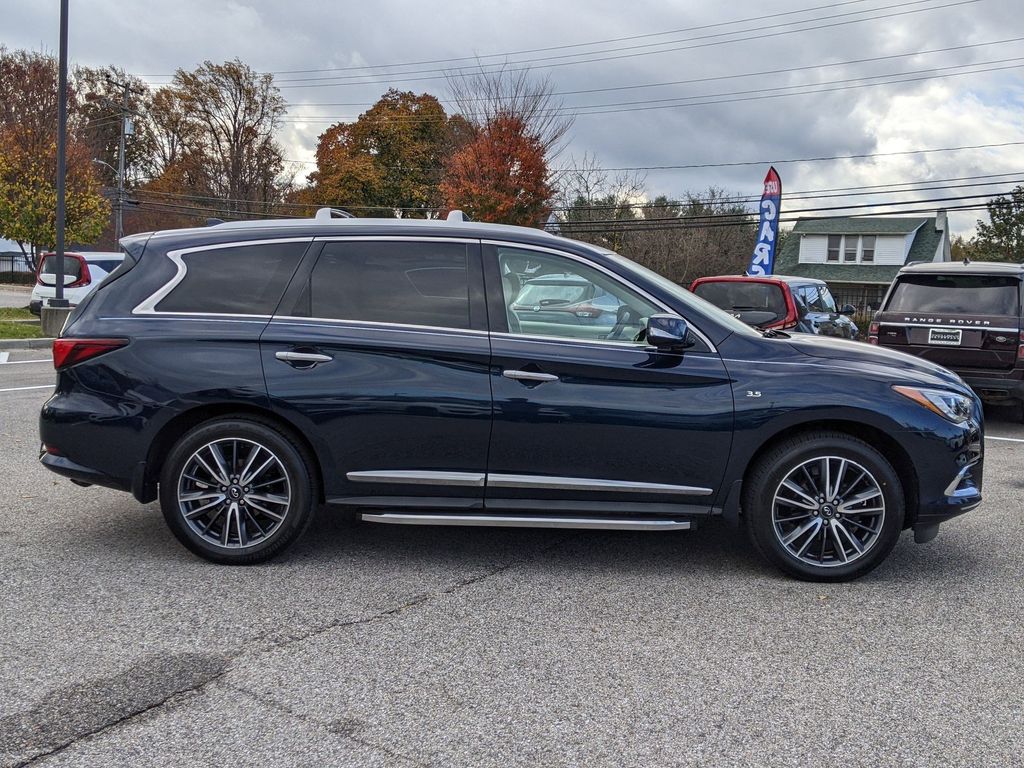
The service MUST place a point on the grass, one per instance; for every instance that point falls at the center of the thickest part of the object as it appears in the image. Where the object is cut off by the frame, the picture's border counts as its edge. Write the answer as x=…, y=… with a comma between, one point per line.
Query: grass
x=9, y=330
x=16, y=313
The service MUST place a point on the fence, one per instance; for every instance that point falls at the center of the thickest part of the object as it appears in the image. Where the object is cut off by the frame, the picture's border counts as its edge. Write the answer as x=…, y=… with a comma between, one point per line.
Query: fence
x=13, y=262
x=866, y=298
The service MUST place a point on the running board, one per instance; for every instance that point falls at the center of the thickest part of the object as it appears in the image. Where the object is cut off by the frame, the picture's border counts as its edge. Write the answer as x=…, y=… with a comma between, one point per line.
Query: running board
x=506, y=521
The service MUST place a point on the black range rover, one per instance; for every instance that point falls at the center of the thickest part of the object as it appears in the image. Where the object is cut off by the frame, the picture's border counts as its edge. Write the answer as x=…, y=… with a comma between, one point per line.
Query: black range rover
x=247, y=373
x=965, y=316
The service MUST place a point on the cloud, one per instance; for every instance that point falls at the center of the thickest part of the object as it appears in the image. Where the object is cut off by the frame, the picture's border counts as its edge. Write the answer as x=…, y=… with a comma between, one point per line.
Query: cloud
x=157, y=38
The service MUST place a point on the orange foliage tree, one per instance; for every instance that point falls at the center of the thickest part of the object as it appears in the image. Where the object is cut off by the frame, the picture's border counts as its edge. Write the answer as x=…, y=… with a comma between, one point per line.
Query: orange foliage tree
x=501, y=175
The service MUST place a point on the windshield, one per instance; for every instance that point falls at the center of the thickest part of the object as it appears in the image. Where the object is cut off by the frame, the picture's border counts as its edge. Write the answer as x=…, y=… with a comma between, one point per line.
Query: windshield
x=685, y=297
x=964, y=294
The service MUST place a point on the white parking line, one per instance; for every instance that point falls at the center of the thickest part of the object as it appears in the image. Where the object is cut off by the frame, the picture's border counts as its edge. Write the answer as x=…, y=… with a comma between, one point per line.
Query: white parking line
x=22, y=389
x=4, y=361
x=1007, y=439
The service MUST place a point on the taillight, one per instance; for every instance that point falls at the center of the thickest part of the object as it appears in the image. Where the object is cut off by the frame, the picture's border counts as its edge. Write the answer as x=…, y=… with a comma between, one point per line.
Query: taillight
x=1020, y=349
x=72, y=351
x=587, y=311
x=873, y=333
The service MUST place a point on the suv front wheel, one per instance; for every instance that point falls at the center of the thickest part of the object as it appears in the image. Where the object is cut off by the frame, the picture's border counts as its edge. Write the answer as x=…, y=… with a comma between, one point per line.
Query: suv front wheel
x=824, y=506
x=237, y=491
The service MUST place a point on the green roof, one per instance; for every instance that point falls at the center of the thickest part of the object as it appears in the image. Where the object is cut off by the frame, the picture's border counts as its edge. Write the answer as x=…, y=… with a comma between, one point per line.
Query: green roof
x=853, y=225
x=927, y=240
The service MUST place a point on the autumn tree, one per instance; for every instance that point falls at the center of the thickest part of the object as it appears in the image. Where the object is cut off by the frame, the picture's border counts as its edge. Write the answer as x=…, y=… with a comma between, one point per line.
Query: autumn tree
x=388, y=159
x=28, y=159
x=501, y=173
x=500, y=176
x=213, y=133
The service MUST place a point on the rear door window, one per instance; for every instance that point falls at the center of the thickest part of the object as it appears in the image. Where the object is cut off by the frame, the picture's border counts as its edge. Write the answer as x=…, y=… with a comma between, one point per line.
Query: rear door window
x=963, y=294
x=237, y=280
x=403, y=282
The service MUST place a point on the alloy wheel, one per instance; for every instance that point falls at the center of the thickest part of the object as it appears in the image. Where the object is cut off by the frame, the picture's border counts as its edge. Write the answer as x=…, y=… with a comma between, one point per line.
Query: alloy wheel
x=234, y=493
x=828, y=511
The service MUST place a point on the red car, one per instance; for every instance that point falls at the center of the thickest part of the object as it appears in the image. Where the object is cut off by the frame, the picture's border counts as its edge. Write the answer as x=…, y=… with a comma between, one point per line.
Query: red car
x=799, y=304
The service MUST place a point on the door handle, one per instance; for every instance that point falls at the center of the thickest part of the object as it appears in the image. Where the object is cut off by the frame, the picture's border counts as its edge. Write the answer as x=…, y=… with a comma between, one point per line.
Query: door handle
x=535, y=376
x=307, y=359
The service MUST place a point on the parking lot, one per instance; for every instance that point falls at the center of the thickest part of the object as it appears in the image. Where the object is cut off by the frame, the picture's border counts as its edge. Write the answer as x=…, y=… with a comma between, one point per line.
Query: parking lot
x=391, y=645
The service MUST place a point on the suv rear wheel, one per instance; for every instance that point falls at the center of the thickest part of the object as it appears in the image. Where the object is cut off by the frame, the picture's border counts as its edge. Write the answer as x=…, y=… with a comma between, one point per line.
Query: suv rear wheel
x=824, y=506
x=237, y=491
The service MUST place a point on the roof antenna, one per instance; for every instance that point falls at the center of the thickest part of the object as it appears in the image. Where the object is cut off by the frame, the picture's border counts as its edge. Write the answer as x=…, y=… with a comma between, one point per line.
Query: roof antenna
x=966, y=260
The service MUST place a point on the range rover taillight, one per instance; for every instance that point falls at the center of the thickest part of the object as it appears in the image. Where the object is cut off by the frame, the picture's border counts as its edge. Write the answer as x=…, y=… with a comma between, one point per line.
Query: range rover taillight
x=873, y=333
x=71, y=351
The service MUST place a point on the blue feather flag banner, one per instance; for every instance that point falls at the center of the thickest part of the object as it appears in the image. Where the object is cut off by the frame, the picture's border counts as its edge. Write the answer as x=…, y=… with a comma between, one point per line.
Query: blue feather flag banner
x=763, y=261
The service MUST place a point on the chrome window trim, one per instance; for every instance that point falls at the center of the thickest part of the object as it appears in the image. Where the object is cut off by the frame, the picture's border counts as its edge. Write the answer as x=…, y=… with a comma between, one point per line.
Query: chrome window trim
x=544, y=482
x=632, y=346
x=396, y=238
x=148, y=306
x=418, y=477
x=614, y=275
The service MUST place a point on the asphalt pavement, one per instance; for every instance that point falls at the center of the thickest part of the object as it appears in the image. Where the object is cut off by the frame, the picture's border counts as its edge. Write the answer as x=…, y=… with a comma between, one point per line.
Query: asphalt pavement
x=384, y=645
x=15, y=295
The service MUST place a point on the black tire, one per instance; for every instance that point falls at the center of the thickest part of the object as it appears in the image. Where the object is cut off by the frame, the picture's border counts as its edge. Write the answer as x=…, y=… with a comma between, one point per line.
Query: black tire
x=770, y=519
x=290, y=475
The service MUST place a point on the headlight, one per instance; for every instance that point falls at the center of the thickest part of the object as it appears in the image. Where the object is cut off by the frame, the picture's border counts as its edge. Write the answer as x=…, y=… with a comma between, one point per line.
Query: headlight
x=949, y=405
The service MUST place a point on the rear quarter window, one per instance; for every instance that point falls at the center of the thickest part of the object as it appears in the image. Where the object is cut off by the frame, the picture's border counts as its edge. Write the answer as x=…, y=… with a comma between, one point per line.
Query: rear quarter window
x=236, y=280
x=964, y=294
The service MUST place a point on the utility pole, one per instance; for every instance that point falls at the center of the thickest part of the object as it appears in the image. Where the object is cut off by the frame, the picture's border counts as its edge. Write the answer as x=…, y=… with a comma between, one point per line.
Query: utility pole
x=127, y=129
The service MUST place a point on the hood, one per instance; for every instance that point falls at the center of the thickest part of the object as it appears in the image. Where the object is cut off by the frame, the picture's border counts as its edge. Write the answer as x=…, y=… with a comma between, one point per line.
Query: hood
x=886, y=363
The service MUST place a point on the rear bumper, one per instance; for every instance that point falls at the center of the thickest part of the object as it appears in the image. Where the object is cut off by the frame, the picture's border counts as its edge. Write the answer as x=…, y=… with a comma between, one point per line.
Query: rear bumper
x=81, y=474
x=994, y=387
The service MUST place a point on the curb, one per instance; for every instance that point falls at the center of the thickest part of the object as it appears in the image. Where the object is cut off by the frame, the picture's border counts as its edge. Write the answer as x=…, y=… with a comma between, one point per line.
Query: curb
x=25, y=343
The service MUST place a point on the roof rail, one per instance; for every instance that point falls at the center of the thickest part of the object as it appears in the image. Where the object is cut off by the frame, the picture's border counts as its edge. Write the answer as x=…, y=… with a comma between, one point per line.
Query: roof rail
x=457, y=216
x=326, y=214
x=212, y=222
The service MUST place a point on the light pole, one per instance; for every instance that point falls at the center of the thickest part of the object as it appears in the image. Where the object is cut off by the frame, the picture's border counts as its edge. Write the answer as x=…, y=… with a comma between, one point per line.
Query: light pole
x=119, y=200
x=62, y=130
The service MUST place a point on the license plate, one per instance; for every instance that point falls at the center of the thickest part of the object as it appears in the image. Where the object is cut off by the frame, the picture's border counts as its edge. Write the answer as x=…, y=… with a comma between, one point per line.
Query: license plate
x=949, y=337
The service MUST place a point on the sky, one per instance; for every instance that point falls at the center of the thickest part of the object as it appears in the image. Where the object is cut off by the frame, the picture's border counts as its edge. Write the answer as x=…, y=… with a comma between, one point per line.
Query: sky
x=732, y=87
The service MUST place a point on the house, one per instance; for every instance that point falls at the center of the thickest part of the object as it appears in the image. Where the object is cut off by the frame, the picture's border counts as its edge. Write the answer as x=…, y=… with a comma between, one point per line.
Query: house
x=859, y=257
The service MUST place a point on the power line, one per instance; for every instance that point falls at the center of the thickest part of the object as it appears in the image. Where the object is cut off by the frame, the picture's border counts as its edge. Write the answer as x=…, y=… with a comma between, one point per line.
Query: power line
x=763, y=93
x=740, y=163
x=693, y=80
x=316, y=82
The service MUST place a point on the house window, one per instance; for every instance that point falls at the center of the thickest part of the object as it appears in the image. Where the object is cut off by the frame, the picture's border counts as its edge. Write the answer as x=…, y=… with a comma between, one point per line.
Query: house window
x=867, y=252
x=850, y=251
x=834, y=242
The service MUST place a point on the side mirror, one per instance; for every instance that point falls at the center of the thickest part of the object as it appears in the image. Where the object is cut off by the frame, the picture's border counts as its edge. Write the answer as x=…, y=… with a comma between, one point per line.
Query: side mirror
x=667, y=332
x=848, y=309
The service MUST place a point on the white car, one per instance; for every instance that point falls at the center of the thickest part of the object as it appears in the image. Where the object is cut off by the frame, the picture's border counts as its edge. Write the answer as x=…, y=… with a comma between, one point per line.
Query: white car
x=82, y=273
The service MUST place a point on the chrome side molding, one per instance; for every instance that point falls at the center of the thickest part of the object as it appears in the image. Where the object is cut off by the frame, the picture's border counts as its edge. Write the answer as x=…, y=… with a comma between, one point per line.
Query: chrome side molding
x=542, y=482
x=509, y=521
x=538, y=482
x=417, y=477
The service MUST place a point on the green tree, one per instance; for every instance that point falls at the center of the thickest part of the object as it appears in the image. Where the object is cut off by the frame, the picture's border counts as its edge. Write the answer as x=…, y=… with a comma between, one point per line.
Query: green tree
x=1001, y=238
x=388, y=159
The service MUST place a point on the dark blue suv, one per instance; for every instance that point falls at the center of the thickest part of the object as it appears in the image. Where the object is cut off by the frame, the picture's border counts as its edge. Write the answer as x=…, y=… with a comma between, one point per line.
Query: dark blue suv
x=246, y=373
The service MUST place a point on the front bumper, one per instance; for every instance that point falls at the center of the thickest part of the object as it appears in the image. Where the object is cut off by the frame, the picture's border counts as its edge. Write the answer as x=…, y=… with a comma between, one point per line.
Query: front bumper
x=962, y=493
